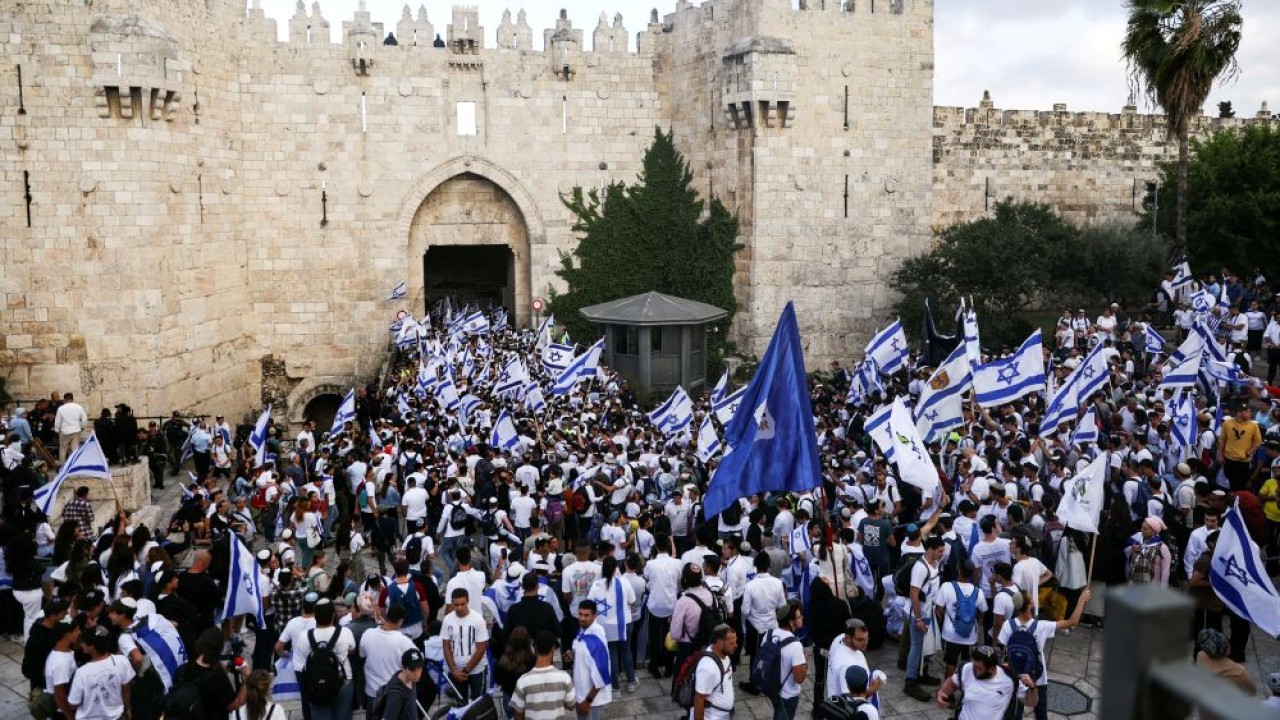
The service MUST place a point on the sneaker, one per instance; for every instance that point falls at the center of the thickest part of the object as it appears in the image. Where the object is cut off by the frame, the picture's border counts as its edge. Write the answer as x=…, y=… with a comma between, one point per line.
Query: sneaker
x=748, y=688
x=915, y=692
x=633, y=686
x=927, y=679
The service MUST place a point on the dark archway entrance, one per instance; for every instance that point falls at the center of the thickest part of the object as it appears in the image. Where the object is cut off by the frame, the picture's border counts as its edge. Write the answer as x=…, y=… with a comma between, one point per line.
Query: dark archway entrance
x=483, y=274
x=321, y=411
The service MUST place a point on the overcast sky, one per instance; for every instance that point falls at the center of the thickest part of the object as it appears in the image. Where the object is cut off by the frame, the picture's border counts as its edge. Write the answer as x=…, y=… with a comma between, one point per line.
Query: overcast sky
x=1029, y=53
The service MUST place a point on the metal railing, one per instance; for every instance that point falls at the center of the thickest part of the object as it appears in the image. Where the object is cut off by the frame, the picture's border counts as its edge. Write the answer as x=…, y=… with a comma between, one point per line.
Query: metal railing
x=1147, y=673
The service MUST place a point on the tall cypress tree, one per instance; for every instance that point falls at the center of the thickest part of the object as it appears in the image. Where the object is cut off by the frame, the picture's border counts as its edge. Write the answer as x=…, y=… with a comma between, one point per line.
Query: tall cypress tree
x=649, y=236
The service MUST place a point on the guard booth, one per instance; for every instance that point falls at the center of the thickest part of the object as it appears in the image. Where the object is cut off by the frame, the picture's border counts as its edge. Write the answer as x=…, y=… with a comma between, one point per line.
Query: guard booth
x=656, y=341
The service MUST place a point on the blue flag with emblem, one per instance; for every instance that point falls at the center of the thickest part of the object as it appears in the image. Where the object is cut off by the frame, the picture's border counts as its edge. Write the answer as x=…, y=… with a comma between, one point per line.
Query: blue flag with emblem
x=87, y=461
x=1239, y=577
x=244, y=596
x=1003, y=381
x=773, y=440
x=941, y=404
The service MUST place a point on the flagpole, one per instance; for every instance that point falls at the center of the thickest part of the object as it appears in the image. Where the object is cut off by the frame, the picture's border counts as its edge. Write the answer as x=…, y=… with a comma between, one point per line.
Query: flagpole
x=1093, y=546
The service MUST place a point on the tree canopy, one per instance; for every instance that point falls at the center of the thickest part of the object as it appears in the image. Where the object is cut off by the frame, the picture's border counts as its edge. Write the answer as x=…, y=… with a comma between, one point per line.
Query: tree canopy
x=650, y=235
x=1233, y=219
x=1025, y=256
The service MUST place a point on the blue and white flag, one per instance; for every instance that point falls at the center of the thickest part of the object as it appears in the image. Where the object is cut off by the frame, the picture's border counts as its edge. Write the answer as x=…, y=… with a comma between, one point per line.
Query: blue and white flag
x=583, y=367
x=499, y=320
x=1220, y=371
x=708, y=441
x=1063, y=406
x=398, y=292
x=941, y=404
x=160, y=641
x=1184, y=421
x=728, y=405
x=1184, y=375
x=972, y=342
x=504, y=435
x=395, y=326
x=1239, y=577
x=87, y=461
x=446, y=393
x=556, y=357
x=244, y=595
x=1087, y=428
x=402, y=406
x=775, y=445
x=513, y=378
x=1154, y=340
x=877, y=427
x=864, y=381
x=285, y=687
x=1007, y=380
x=346, y=414
x=721, y=388
x=860, y=569
x=889, y=348
x=675, y=414
x=467, y=404
x=915, y=466
x=258, y=438
x=375, y=441
x=592, y=646
x=474, y=324
x=533, y=399
x=1199, y=341
x=1202, y=301
x=543, y=338
x=1181, y=275
x=613, y=605
x=1094, y=372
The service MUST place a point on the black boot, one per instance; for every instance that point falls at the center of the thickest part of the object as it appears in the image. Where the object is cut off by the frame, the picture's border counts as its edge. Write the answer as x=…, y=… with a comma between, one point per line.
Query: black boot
x=913, y=690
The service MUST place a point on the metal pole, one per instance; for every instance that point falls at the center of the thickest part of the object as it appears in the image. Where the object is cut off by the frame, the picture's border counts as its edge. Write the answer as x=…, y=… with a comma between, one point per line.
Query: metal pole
x=1156, y=218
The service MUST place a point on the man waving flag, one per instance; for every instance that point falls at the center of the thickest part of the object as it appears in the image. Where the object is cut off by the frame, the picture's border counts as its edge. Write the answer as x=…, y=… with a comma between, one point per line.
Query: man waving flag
x=775, y=445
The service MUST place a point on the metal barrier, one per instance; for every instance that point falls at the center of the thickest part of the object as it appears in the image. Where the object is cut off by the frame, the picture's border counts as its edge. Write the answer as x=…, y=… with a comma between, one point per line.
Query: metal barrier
x=1147, y=674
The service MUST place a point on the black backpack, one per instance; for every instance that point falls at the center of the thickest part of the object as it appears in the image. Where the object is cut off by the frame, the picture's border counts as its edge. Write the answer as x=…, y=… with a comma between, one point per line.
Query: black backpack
x=458, y=517
x=840, y=708
x=184, y=701
x=732, y=515
x=902, y=576
x=489, y=523
x=951, y=568
x=393, y=687
x=323, y=672
x=709, y=617
x=413, y=551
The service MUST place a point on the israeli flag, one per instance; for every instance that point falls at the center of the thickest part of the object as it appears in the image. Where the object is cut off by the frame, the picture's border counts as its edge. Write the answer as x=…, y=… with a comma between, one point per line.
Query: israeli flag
x=1239, y=577
x=673, y=415
x=1184, y=375
x=877, y=427
x=513, y=378
x=87, y=461
x=346, y=413
x=592, y=646
x=582, y=368
x=1094, y=372
x=1227, y=372
x=475, y=324
x=708, y=442
x=375, y=442
x=728, y=406
x=972, y=342
x=1154, y=340
x=860, y=569
x=533, y=400
x=1203, y=301
x=398, y=292
x=1184, y=422
x=1199, y=341
x=865, y=380
x=468, y=364
x=543, y=338
x=258, y=438
x=556, y=357
x=1087, y=428
x=1007, y=380
x=446, y=394
x=499, y=320
x=188, y=446
x=467, y=405
x=721, y=388
x=889, y=348
x=402, y=406
x=1063, y=406
x=1181, y=275
x=395, y=326
x=244, y=595
x=159, y=640
x=941, y=404
x=285, y=687
x=504, y=434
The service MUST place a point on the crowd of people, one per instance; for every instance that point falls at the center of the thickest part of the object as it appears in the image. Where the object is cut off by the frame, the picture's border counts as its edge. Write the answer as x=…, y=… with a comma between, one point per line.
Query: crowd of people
x=415, y=551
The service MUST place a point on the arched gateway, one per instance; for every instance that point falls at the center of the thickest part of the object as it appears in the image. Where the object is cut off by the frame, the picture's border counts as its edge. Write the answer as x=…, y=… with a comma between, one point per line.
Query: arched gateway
x=470, y=226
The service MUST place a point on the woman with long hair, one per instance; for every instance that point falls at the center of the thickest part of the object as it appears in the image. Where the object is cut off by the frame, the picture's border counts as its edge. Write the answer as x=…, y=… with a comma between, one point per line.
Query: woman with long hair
x=205, y=669
x=68, y=533
x=341, y=583
x=517, y=659
x=120, y=566
x=257, y=700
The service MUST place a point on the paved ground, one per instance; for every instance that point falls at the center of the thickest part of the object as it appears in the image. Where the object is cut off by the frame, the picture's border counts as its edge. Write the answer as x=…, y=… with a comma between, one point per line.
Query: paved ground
x=1074, y=659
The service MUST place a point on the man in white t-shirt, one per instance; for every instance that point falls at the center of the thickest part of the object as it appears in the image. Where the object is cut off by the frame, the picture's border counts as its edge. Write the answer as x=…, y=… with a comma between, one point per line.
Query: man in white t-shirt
x=713, y=678
x=794, y=666
x=340, y=641
x=465, y=636
x=1028, y=572
x=922, y=591
x=382, y=648
x=846, y=651
x=960, y=603
x=97, y=690
x=414, y=499
x=987, y=687
x=523, y=507
x=1042, y=631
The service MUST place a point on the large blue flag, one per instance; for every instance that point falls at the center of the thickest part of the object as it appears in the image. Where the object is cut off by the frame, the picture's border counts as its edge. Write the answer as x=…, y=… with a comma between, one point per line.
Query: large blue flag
x=1239, y=577
x=775, y=445
x=243, y=594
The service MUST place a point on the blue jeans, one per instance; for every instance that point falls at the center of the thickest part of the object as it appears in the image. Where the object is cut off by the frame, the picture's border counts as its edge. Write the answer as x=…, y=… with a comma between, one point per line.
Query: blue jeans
x=620, y=654
x=449, y=549
x=785, y=708
x=914, y=655
x=339, y=709
x=1042, y=705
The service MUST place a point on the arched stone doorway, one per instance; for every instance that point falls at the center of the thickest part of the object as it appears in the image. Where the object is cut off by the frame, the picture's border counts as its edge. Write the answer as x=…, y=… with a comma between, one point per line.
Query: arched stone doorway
x=471, y=226
x=321, y=411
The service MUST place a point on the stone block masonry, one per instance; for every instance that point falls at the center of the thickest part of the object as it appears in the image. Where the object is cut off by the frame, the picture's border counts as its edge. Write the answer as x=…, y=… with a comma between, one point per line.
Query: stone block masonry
x=215, y=216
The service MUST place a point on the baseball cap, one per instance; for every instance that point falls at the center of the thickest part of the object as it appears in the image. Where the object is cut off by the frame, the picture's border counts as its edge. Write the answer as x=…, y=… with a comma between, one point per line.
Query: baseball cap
x=412, y=659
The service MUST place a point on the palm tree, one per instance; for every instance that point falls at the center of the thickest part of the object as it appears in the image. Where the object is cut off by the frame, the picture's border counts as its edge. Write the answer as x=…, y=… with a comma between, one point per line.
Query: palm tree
x=1176, y=50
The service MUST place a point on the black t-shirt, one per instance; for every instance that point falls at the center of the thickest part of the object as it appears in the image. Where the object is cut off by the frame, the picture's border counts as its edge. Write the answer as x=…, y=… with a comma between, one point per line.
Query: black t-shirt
x=202, y=592
x=215, y=686
x=39, y=645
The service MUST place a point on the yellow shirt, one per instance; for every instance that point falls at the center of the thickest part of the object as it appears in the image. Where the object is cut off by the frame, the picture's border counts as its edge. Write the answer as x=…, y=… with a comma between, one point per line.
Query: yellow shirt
x=1238, y=438
x=1270, y=503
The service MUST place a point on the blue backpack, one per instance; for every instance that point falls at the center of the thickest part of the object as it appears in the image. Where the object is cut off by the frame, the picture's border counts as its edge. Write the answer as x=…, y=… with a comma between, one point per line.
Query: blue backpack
x=1023, y=652
x=966, y=611
x=408, y=601
x=766, y=670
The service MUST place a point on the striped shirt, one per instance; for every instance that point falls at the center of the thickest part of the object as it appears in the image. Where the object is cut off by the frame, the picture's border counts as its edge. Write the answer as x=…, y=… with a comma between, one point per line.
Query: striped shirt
x=544, y=694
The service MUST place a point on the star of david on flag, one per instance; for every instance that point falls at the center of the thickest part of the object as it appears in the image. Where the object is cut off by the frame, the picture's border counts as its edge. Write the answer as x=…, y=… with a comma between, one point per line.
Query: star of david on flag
x=1003, y=381
x=889, y=348
x=87, y=461
x=1238, y=576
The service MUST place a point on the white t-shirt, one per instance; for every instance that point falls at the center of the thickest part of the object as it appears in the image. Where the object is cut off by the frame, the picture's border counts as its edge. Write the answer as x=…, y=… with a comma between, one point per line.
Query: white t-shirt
x=1026, y=575
x=97, y=690
x=522, y=508
x=841, y=657
x=342, y=647
x=414, y=501
x=381, y=650
x=925, y=578
x=714, y=678
x=59, y=668
x=985, y=699
x=1044, y=630
x=294, y=634
x=947, y=599
x=464, y=634
x=792, y=656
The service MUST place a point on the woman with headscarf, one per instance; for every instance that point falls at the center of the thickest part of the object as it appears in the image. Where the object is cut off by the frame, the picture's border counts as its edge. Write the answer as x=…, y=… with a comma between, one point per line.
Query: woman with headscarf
x=1149, y=555
x=1213, y=658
